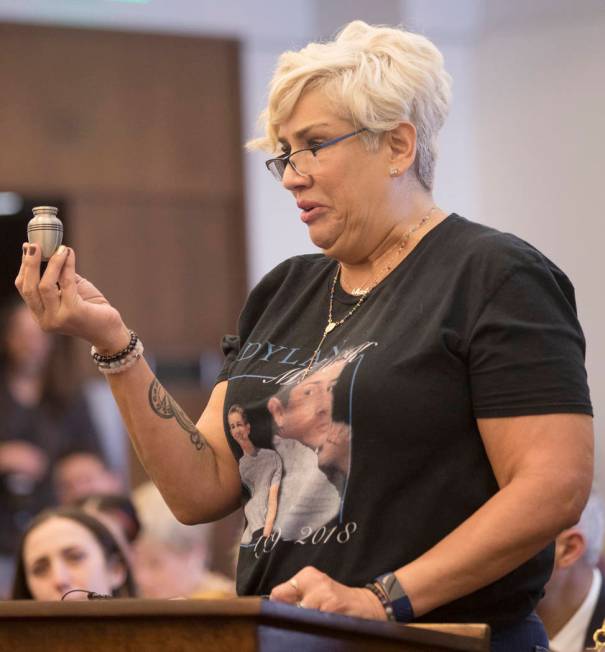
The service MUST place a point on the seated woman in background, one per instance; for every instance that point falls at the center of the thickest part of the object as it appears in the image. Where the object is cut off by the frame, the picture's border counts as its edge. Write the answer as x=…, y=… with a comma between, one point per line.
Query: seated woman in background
x=44, y=418
x=118, y=514
x=170, y=559
x=65, y=550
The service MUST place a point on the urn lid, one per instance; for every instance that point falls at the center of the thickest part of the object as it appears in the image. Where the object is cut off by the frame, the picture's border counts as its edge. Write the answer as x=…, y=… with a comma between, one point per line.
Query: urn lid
x=38, y=210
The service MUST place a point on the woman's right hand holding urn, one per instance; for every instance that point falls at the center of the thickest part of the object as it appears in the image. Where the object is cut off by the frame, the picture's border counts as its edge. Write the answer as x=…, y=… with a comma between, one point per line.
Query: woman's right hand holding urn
x=64, y=302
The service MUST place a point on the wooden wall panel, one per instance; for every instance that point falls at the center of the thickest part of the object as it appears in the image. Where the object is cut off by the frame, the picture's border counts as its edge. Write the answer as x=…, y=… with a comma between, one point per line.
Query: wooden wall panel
x=165, y=264
x=114, y=111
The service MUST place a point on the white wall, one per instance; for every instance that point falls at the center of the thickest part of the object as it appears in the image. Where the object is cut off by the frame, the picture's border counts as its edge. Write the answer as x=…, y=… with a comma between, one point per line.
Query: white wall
x=540, y=149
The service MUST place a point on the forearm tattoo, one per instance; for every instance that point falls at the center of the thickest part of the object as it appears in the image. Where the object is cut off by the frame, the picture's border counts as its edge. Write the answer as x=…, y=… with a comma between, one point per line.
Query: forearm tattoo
x=166, y=407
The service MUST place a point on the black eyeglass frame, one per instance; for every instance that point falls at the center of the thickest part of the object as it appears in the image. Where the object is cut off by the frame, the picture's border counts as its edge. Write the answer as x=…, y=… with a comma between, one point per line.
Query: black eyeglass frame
x=285, y=158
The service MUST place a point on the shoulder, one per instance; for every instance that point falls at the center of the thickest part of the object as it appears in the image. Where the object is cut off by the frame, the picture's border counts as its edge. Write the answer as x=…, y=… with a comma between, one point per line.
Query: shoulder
x=493, y=256
x=269, y=457
x=477, y=241
x=272, y=295
x=267, y=453
x=291, y=270
x=283, y=282
x=286, y=446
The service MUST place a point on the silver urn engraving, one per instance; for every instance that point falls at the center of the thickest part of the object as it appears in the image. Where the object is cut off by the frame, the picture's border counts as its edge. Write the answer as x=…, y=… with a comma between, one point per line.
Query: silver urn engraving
x=46, y=230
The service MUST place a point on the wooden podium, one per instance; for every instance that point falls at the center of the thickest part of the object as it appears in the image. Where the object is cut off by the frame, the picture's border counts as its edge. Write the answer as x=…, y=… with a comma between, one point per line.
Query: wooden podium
x=241, y=624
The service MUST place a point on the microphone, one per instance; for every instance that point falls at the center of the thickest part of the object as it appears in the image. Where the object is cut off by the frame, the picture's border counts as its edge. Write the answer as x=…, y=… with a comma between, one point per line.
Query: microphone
x=90, y=595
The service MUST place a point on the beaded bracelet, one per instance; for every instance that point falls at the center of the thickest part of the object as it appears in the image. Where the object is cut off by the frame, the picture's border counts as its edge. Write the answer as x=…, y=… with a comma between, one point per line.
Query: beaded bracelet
x=119, y=362
x=384, y=601
x=99, y=357
x=123, y=363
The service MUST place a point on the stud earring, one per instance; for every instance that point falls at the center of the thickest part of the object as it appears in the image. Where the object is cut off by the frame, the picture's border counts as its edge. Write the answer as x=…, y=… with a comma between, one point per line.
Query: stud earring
x=393, y=172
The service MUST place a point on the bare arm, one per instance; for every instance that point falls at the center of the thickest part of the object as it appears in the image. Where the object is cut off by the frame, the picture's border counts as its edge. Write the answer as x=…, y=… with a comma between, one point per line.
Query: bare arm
x=191, y=464
x=543, y=465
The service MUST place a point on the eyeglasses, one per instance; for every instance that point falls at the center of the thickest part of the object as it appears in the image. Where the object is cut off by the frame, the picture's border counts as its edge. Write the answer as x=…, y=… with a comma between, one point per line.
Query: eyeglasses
x=302, y=160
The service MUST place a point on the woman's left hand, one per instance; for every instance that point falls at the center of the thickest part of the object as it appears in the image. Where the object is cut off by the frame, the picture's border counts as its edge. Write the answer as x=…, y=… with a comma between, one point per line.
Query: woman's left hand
x=312, y=589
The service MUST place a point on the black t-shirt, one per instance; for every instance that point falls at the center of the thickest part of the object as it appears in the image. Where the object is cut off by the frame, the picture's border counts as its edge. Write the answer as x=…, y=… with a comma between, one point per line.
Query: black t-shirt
x=381, y=453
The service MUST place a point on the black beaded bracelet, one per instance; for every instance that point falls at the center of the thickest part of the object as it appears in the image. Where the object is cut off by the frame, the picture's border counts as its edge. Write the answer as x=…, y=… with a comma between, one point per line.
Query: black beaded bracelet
x=99, y=358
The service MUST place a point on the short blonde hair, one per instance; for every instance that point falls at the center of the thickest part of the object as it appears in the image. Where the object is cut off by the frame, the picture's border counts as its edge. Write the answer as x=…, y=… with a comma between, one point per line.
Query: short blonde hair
x=377, y=77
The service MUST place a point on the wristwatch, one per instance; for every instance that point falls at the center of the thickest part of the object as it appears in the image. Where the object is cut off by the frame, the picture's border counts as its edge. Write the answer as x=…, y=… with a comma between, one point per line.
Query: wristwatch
x=392, y=597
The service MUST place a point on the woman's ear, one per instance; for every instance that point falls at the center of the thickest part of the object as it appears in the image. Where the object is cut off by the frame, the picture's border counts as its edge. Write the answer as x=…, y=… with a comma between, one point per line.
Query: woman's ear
x=402, y=147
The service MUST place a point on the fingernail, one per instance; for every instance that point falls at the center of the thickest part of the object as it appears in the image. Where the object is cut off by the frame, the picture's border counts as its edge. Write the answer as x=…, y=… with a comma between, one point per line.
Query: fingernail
x=24, y=249
x=31, y=250
x=61, y=250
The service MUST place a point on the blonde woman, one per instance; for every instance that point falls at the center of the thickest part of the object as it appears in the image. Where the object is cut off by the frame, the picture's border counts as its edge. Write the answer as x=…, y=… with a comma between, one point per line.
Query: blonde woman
x=171, y=559
x=471, y=439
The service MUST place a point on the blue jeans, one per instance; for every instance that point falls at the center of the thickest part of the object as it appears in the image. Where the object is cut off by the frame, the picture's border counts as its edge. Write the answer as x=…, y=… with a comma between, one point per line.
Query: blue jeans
x=525, y=636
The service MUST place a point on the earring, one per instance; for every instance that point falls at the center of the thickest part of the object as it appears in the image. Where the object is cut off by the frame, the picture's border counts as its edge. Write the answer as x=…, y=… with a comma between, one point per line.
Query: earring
x=393, y=172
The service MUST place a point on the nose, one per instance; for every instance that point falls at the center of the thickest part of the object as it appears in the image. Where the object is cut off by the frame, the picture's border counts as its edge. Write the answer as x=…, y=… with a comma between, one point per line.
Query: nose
x=293, y=181
x=324, y=402
x=60, y=577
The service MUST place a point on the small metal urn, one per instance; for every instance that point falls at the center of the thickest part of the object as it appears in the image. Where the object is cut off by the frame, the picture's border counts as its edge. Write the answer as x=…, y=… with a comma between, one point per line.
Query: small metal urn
x=46, y=230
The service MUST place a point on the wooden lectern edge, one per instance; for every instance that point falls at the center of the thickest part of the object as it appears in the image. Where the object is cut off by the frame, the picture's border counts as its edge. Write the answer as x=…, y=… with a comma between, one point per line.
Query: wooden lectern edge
x=473, y=630
x=470, y=637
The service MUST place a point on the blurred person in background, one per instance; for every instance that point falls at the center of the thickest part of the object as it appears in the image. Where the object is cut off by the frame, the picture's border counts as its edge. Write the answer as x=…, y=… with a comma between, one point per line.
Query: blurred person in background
x=118, y=513
x=79, y=475
x=118, y=507
x=43, y=417
x=170, y=559
x=67, y=549
x=573, y=607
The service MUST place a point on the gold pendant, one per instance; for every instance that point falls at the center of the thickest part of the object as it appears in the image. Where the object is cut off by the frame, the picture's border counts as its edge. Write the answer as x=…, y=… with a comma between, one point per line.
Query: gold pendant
x=330, y=327
x=599, y=639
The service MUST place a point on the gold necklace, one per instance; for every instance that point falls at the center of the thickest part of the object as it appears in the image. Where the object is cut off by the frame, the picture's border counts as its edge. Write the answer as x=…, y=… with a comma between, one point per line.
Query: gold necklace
x=332, y=324
x=599, y=639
